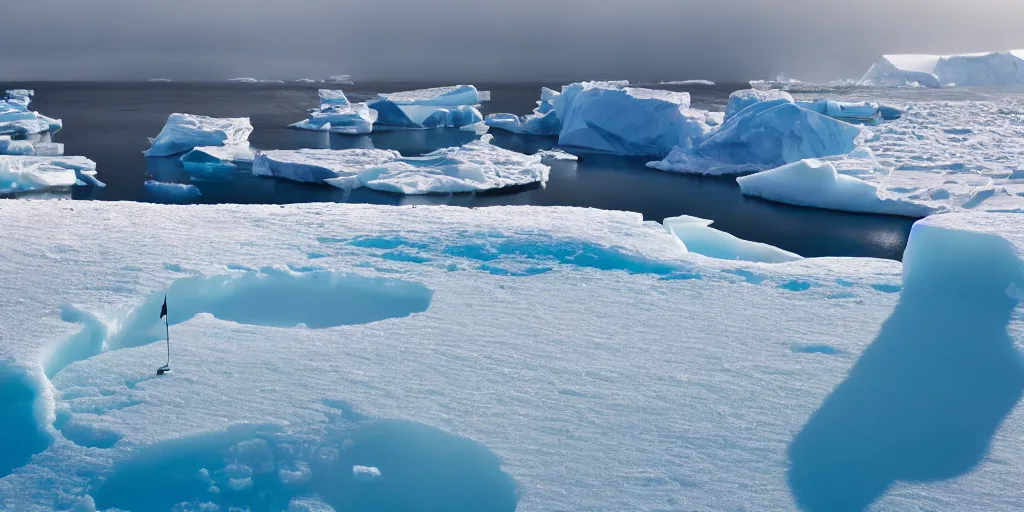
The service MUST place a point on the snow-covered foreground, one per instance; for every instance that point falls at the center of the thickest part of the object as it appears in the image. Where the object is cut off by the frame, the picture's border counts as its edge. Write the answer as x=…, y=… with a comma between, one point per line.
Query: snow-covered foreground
x=437, y=358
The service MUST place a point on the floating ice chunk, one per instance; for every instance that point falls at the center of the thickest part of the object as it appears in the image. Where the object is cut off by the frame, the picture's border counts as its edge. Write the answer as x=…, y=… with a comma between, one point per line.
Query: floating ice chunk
x=208, y=159
x=449, y=96
x=317, y=165
x=687, y=82
x=184, y=132
x=340, y=79
x=817, y=184
x=861, y=113
x=159, y=80
x=770, y=134
x=484, y=95
x=16, y=119
x=612, y=117
x=452, y=107
x=475, y=166
x=20, y=96
x=309, y=505
x=740, y=100
x=557, y=155
x=29, y=148
x=332, y=97
x=243, y=80
x=173, y=192
x=365, y=473
x=305, y=81
x=698, y=237
x=349, y=119
x=36, y=173
x=543, y=121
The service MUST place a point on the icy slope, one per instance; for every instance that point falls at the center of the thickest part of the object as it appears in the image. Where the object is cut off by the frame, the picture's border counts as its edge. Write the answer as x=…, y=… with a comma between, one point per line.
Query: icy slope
x=494, y=359
x=184, y=132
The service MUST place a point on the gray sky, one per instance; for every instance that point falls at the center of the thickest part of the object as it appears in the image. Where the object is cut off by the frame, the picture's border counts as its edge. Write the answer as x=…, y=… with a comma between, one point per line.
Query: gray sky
x=524, y=40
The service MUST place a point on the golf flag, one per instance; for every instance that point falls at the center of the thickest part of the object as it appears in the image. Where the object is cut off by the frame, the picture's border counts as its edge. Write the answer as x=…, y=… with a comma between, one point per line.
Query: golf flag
x=163, y=310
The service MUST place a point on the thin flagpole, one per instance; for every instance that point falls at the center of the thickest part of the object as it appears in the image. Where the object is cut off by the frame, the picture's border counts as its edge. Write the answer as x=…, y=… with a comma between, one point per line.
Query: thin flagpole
x=167, y=327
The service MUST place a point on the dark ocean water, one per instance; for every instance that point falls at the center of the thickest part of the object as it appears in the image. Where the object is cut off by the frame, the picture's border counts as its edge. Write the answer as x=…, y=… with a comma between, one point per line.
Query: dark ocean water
x=109, y=123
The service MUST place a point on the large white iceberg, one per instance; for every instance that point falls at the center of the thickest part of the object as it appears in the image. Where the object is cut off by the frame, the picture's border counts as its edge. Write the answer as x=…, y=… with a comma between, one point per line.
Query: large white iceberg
x=439, y=107
x=38, y=173
x=184, y=132
x=699, y=237
x=336, y=114
x=475, y=166
x=972, y=69
x=764, y=135
x=543, y=120
x=613, y=117
x=817, y=184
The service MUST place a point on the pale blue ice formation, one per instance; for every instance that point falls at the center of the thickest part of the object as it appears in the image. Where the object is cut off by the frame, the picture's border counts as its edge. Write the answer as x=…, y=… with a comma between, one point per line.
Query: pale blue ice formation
x=817, y=184
x=184, y=132
x=543, y=120
x=742, y=99
x=336, y=114
x=16, y=119
x=475, y=166
x=764, y=135
x=39, y=173
x=699, y=237
x=29, y=147
x=865, y=112
x=612, y=117
x=972, y=69
x=214, y=159
x=172, y=192
x=439, y=107
x=20, y=96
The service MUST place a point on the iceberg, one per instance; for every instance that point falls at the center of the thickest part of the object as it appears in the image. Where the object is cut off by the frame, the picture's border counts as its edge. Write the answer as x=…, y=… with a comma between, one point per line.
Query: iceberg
x=765, y=135
x=29, y=147
x=612, y=117
x=172, y=192
x=20, y=96
x=439, y=107
x=184, y=132
x=36, y=173
x=344, y=118
x=971, y=69
x=475, y=166
x=214, y=159
x=865, y=112
x=243, y=80
x=699, y=237
x=340, y=79
x=687, y=82
x=159, y=80
x=17, y=119
x=818, y=184
x=543, y=120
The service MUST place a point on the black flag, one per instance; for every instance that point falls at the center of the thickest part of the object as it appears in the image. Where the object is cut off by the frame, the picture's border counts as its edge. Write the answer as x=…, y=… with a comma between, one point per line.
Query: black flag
x=163, y=315
x=163, y=310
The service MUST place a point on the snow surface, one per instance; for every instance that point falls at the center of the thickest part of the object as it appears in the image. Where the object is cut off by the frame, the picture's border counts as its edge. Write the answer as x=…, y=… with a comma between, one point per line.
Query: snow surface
x=511, y=358
x=38, y=173
x=817, y=184
x=475, y=166
x=699, y=237
x=612, y=117
x=185, y=132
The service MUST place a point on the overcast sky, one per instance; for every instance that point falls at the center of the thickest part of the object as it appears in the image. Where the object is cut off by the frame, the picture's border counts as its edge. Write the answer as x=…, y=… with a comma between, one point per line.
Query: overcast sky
x=524, y=40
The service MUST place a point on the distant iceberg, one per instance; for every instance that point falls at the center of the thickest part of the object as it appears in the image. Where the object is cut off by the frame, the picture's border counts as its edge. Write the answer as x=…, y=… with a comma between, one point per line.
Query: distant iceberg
x=543, y=120
x=699, y=237
x=817, y=184
x=972, y=69
x=687, y=82
x=244, y=80
x=184, y=132
x=305, y=81
x=475, y=166
x=613, y=117
x=337, y=115
x=439, y=107
x=340, y=79
x=159, y=80
x=35, y=173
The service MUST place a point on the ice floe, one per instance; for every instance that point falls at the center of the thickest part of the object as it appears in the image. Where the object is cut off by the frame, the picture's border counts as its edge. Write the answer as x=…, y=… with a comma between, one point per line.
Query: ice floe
x=184, y=132
x=439, y=107
x=336, y=114
x=38, y=173
x=699, y=237
x=475, y=166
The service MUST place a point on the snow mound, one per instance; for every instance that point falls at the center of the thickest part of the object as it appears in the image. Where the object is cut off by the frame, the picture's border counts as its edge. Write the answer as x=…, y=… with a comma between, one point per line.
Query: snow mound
x=475, y=166
x=974, y=69
x=472, y=167
x=612, y=117
x=439, y=107
x=817, y=184
x=543, y=120
x=184, y=132
x=212, y=159
x=37, y=173
x=698, y=237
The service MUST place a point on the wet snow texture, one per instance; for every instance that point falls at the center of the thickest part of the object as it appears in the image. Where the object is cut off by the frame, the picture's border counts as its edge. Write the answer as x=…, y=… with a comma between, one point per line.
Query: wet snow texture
x=517, y=358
